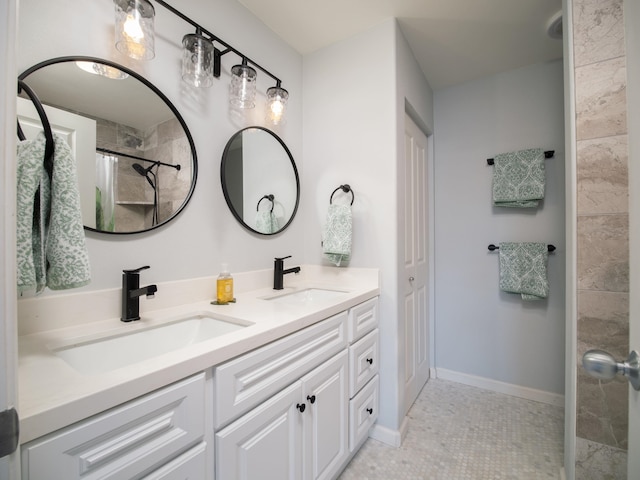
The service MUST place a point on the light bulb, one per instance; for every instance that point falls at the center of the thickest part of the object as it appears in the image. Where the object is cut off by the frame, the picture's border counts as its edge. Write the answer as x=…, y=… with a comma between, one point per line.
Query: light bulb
x=132, y=28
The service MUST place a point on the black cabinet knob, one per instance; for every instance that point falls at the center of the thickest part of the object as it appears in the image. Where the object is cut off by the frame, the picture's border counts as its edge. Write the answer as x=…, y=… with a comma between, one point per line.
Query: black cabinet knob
x=370, y=410
x=370, y=361
x=312, y=399
x=301, y=407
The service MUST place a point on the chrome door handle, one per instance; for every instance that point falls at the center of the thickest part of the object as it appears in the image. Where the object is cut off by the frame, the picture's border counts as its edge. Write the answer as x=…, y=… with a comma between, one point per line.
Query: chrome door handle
x=602, y=365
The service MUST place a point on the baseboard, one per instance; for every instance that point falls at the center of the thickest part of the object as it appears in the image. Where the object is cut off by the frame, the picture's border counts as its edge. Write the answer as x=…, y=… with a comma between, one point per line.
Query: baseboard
x=391, y=437
x=501, y=387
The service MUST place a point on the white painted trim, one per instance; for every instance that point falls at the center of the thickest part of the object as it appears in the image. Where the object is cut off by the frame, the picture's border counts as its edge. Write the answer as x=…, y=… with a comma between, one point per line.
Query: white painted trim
x=433, y=373
x=9, y=465
x=502, y=387
x=563, y=476
x=391, y=437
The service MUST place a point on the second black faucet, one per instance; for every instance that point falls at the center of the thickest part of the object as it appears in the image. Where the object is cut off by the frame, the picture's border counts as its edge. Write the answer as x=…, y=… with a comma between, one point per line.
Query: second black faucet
x=279, y=272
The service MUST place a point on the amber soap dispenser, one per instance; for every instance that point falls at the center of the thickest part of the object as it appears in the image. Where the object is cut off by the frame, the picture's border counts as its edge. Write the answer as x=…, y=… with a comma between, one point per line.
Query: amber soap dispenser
x=224, y=286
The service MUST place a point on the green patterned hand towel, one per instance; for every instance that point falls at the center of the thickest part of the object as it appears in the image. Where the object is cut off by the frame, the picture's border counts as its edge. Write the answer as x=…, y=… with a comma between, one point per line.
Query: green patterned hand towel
x=336, y=239
x=266, y=222
x=518, y=178
x=523, y=269
x=30, y=228
x=67, y=256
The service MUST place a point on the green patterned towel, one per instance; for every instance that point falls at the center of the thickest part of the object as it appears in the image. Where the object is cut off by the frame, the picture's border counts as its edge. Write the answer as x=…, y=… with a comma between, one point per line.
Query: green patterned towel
x=30, y=228
x=523, y=269
x=266, y=222
x=336, y=238
x=67, y=256
x=518, y=178
x=52, y=255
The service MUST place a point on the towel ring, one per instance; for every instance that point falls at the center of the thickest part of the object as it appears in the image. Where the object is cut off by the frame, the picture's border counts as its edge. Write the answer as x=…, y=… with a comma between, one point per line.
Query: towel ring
x=493, y=248
x=346, y=189
x=269, y=197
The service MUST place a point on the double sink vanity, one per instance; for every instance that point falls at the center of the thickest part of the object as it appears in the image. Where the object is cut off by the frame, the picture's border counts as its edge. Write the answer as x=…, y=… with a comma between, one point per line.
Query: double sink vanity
x=281, y=381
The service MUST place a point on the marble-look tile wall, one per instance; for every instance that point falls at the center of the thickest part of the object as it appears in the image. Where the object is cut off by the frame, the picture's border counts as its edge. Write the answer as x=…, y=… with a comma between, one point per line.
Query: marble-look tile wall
x=603, y=234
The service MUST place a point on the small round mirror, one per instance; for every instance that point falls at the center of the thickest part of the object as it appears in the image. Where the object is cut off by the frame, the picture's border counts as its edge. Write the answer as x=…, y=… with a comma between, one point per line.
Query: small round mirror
x=135, y=156
x=260, y=180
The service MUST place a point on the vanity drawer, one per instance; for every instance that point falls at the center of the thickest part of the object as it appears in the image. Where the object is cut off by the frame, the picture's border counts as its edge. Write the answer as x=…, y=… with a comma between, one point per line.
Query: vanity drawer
x=190, y=465
x=124, y=442
x=363, y=412
x=248, y=380
x=363, y=361
x=362, y=319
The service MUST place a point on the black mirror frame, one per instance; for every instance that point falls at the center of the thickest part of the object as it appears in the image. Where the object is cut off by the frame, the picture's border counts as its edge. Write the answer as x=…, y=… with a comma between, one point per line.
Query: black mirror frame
x=227, y=197
x=163, y=97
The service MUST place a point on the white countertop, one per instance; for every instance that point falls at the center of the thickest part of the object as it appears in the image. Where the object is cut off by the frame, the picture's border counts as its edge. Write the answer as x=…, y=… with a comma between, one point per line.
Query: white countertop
x=52, y=394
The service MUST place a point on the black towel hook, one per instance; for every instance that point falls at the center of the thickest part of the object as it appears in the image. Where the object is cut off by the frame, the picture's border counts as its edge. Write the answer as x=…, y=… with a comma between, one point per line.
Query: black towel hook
x=269, y=197
x=48, y=133
x=493, y=248
x=346, y=189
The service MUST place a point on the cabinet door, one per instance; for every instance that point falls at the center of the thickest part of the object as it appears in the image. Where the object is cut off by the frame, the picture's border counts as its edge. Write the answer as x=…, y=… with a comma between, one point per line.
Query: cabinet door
x=191, y=465
x=326, y=420
x=264, y=443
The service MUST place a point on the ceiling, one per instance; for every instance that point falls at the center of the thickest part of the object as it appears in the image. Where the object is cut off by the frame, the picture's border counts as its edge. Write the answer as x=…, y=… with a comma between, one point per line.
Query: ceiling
x=454, y=41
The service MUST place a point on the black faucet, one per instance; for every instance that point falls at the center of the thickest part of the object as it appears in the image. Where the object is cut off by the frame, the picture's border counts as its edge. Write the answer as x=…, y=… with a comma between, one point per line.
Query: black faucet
x=131, y=293
x=279, y=272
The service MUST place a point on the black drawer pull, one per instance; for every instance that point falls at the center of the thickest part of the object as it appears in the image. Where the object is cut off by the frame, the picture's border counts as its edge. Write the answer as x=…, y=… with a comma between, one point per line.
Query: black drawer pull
x=370, y=410
x=301, y=407
x=312, y=399
x=370, y=361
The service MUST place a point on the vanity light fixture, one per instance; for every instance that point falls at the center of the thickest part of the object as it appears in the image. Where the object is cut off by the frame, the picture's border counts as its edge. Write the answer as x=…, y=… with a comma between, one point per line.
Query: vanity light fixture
x=197, y=59
x=134, y=28
x=242, y=90
x=276, y=104
x=198, y=50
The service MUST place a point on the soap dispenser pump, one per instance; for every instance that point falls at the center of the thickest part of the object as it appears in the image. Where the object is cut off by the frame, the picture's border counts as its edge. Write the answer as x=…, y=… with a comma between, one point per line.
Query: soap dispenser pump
x=224, y=286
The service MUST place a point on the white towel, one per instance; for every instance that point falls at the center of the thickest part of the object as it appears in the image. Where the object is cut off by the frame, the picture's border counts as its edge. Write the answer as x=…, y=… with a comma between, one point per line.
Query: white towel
x=337, y=235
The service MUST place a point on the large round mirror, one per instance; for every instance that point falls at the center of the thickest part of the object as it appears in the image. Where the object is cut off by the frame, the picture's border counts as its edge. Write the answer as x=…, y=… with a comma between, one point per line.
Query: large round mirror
x=260, y=180
x=135, y=157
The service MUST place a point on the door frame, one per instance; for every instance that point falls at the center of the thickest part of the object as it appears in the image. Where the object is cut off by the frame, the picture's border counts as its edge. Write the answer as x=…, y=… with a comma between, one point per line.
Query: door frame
x=9, y=465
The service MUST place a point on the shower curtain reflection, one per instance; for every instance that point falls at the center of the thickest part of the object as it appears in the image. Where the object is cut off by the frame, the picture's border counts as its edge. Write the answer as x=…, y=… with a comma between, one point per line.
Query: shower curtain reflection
x=105, y=192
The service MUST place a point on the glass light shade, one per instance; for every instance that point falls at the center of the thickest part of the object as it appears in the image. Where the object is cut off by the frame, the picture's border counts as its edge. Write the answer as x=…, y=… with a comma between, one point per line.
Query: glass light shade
x=242, y=90
x=276, y=105
x=134, y=28
x=197, y=60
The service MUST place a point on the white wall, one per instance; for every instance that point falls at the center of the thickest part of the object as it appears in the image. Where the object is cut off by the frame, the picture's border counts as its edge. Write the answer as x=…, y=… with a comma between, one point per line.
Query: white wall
x=205, y=234
x=353, y=102
x=481, y=331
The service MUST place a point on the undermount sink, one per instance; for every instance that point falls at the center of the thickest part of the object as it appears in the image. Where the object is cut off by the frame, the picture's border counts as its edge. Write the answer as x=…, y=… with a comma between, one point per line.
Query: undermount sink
x=306, y=296
x=116, y=351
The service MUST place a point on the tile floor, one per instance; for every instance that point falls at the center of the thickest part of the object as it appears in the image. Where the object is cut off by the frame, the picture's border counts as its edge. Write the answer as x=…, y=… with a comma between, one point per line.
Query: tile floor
x=458, y=432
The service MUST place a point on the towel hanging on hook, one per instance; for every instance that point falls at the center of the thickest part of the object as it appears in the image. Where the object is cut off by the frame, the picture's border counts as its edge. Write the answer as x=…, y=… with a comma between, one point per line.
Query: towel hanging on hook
x=48, y=133
x=346, y=189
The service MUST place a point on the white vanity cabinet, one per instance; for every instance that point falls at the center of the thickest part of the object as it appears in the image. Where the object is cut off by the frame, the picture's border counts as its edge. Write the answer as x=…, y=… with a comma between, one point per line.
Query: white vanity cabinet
x=300, y=433
x=363, y=369
x=299, y=407
x=158, y=436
